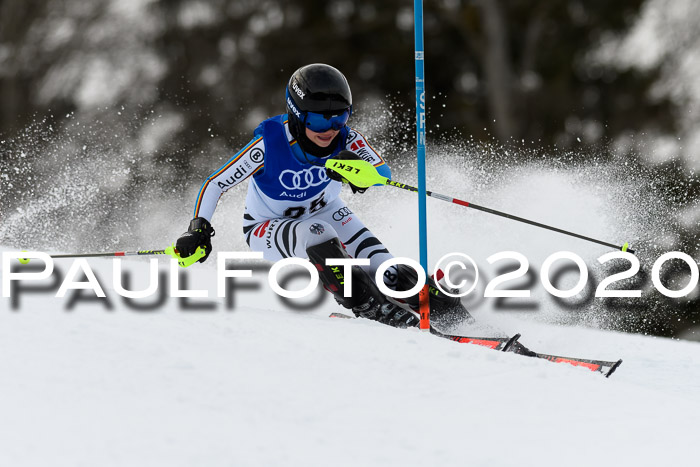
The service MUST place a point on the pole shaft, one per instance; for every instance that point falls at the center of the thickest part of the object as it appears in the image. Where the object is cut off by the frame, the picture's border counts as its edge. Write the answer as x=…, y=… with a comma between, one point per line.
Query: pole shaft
x=420, y=130
x=450, y=199
x=116, y=253
x=420, y=155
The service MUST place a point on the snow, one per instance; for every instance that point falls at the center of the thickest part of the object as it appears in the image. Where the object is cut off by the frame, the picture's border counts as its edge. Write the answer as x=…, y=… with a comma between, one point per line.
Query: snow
x=251, y=380
x=664, y=35
x=258, y=383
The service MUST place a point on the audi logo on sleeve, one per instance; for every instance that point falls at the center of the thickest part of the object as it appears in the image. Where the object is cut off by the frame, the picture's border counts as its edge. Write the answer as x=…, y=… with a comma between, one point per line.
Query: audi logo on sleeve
x=303, y=179
x=341, y=213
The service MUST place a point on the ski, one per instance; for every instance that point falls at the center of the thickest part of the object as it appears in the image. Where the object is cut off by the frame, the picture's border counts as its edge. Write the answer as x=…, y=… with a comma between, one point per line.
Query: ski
x=601, y=366
x=605, y=367
x=502, y=344
x=511, y=344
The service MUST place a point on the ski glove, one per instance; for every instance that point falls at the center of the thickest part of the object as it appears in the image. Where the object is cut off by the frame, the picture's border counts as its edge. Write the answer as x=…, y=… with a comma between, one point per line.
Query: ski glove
x=198, y=234
x=345, y=155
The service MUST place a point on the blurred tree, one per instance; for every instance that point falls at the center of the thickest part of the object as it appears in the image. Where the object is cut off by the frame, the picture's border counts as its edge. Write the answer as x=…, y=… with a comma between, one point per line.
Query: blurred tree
x=17, y=80
x=163, y=89
x=521, y=68
x=514, y=70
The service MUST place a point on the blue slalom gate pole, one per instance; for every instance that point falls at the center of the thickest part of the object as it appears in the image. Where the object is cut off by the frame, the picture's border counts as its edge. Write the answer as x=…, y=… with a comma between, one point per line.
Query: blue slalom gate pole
x=420, y=154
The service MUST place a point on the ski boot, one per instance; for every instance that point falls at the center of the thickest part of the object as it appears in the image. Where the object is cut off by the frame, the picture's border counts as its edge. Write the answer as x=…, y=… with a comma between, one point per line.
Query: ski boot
x=386, y=313
x=445, y=311
x=366, y=301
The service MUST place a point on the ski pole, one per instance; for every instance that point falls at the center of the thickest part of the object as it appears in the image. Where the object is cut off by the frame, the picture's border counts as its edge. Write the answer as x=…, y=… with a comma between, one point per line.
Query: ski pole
x=363, y=174
x=170, y=251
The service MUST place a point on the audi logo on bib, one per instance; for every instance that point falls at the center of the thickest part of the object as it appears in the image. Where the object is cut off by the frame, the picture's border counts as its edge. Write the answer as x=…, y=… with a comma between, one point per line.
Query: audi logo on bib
x=304, y=179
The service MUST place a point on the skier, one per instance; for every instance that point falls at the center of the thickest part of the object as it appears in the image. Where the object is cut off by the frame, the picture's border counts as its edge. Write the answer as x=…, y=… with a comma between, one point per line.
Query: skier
x=293, y=205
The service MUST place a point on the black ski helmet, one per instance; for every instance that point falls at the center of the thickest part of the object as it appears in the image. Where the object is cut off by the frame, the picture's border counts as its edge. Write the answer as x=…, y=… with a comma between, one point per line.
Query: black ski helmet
x=317, y=88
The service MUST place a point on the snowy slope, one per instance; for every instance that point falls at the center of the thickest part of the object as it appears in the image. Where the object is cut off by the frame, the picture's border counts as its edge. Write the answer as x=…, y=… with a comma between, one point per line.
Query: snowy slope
x=261, y=384
x=258, y=382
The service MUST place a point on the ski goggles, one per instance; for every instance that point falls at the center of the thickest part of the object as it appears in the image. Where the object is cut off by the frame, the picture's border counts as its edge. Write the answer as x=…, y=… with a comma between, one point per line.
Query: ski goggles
x=320, y=123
